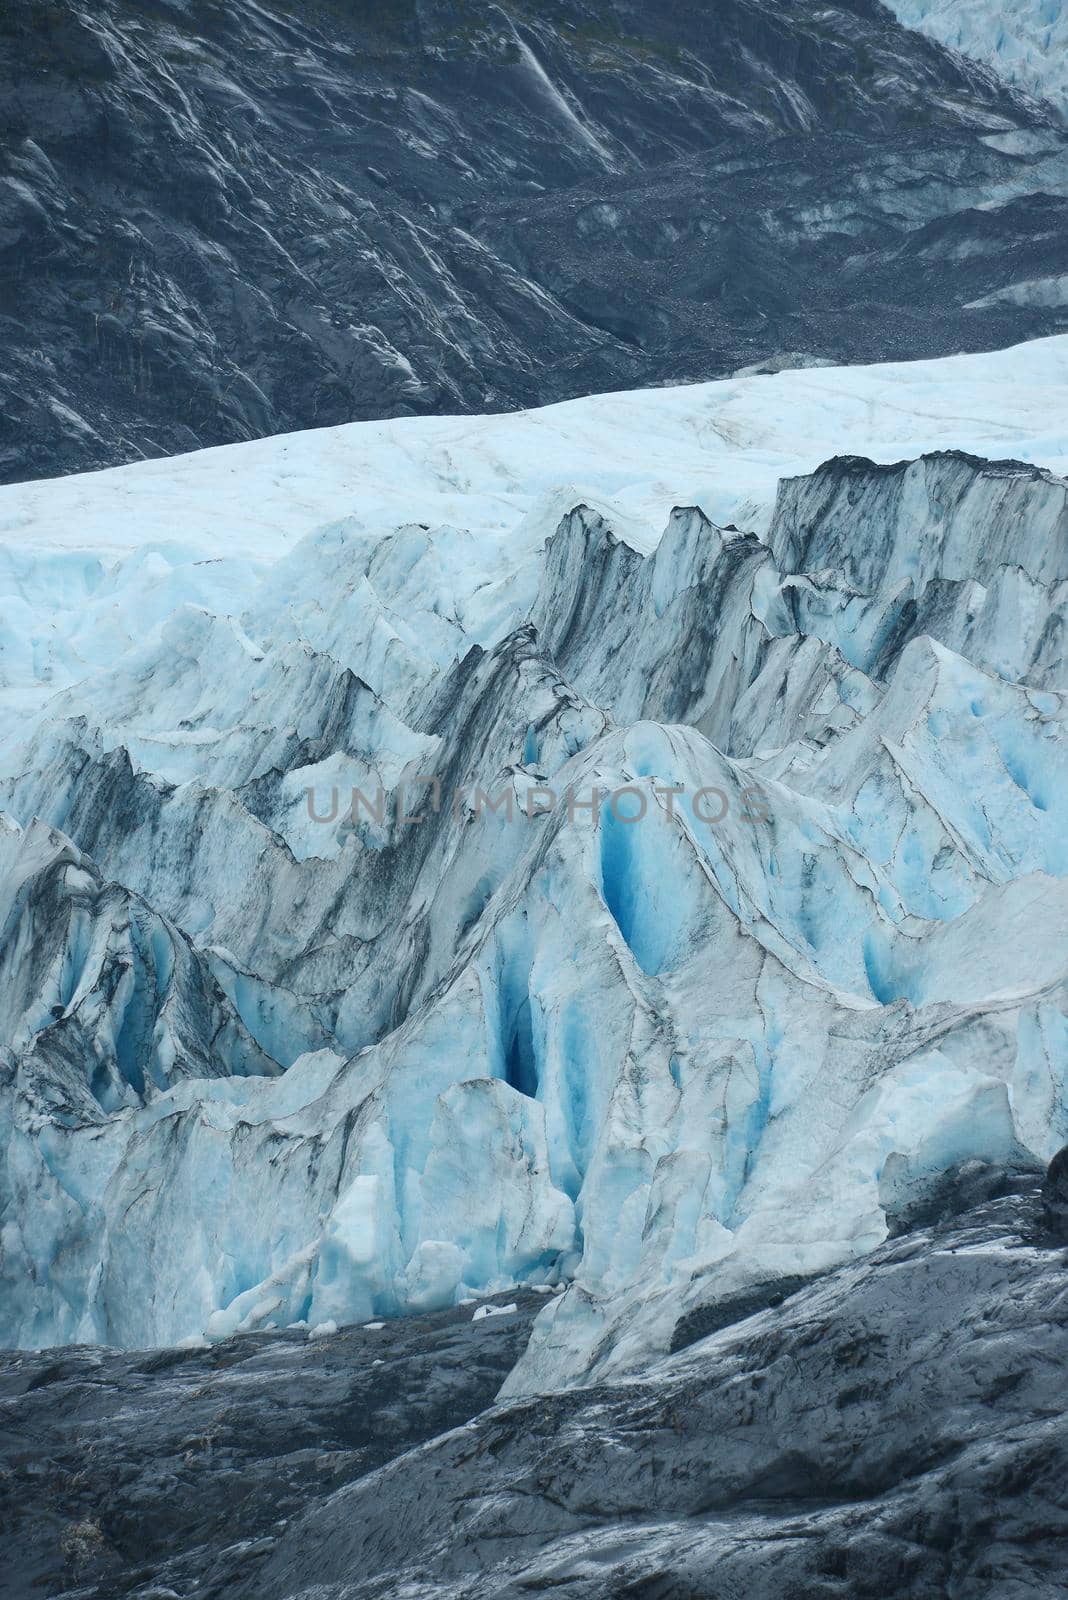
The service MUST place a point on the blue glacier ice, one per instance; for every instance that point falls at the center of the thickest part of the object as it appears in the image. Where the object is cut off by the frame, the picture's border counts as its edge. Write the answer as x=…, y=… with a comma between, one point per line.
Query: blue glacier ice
x=710, y=877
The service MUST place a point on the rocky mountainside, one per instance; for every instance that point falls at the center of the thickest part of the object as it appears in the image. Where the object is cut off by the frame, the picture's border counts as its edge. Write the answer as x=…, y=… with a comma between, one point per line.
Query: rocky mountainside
x=1026, y=42
x=219, y=222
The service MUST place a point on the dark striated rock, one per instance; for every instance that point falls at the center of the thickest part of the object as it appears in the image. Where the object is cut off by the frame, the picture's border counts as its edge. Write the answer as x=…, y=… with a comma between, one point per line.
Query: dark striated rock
x=152, y=1471
x=926, y=1200
x=705, y=1320
x=895, y=1428
x=219, y=221
x=1055, y=1196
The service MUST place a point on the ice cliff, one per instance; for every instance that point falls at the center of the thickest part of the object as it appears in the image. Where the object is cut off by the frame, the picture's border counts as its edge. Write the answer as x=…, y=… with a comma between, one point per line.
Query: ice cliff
x=705, y=892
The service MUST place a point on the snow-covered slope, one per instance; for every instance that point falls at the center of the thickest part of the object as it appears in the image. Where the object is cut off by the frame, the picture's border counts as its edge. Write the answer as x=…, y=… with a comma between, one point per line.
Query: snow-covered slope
x=1026, y=41
x=632, y=902
x=92, y=561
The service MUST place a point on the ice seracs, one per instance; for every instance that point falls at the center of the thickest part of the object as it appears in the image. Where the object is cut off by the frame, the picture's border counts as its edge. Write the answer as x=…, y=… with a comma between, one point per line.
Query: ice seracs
x=696, y=883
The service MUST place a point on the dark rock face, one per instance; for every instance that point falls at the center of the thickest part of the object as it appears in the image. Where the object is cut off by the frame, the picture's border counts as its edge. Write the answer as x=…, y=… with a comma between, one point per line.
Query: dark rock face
x=218, y=221
x=1055, y=1196
x=895, y=1428
x=912, y=1202
x=151, y=1472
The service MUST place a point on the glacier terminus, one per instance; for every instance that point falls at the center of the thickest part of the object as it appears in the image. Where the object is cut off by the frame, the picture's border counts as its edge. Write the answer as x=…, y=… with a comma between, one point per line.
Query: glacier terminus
x=533, y=800
x=266, y=1065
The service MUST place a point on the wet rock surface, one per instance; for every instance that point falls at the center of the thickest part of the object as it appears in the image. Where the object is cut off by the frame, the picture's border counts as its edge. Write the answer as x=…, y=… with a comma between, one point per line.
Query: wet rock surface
x=895, y=1428
x=221, y=222
x=1055, y=1196
x=154, y=1472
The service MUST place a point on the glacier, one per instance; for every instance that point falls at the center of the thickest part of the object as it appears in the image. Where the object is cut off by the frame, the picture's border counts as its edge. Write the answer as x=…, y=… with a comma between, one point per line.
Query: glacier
x=271, y=1057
